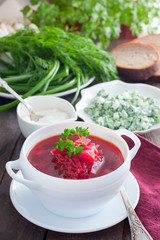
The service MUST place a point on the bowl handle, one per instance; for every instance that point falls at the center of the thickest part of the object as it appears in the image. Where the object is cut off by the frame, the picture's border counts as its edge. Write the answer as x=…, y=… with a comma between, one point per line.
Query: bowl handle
x=28, y=183
x=134, y=138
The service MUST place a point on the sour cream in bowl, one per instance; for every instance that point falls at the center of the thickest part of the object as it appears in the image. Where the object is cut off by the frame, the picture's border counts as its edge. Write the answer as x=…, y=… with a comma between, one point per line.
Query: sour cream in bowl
x=52, y=109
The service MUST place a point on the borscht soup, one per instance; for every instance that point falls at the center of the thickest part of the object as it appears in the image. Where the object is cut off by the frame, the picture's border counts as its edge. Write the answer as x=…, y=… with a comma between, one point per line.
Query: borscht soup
x=88, y=157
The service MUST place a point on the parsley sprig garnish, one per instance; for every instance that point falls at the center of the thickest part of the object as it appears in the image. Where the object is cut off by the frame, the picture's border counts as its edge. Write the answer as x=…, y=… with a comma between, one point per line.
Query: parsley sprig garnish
x=67, y=144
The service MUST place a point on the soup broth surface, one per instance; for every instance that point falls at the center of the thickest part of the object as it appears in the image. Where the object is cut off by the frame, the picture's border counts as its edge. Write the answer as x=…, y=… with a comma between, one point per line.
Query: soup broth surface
x=41, y=158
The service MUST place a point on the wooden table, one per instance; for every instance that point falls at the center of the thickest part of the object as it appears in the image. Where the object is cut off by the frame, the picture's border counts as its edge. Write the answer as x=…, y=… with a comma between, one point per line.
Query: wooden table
x=12, y=225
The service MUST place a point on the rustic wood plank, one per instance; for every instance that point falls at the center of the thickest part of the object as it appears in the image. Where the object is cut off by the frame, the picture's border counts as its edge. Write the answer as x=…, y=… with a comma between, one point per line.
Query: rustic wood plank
x=127, y=232
x=13, y=225
x=9, y=133
x=112, y=233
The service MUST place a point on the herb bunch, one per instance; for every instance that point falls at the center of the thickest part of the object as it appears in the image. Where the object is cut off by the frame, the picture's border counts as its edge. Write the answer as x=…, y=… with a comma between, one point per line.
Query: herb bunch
x=51, y=61
x=67, y=144
x=99, y=20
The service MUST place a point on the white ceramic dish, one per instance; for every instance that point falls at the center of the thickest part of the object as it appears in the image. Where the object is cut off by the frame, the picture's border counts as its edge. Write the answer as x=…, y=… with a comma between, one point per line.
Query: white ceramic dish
x=60, y=94
x=113, y=88
x=43, y=103
x=114, y=212
x=68, y=197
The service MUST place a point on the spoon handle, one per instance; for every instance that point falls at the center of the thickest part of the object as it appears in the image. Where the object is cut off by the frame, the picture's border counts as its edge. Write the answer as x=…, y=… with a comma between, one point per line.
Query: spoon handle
x=138, y=232
x=4, y=84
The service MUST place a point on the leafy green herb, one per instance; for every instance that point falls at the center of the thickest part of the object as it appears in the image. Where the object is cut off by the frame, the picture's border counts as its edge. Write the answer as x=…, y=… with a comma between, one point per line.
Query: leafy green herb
x=99, y=20
x=67, y=144
x=74, y=60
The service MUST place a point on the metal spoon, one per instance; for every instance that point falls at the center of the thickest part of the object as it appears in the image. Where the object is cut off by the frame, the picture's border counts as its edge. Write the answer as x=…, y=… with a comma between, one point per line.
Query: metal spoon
x=138, y=231
x=33, y=116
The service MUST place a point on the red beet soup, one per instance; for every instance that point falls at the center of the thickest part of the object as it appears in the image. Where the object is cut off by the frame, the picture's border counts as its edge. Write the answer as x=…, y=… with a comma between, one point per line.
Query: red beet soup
x=99, y=157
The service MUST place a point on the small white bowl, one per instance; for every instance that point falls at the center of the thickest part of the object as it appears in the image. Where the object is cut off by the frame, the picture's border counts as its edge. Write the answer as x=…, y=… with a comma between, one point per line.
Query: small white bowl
x=39, y=103
x=68, y=197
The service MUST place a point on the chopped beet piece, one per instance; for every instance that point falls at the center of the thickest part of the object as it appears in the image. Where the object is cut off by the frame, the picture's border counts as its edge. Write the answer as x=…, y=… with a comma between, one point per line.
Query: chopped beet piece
x=84, y=140
x=79, y=167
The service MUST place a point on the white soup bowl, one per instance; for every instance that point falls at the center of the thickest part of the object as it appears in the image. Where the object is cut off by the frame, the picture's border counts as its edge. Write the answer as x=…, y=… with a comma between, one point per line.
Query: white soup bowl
x=68, y=197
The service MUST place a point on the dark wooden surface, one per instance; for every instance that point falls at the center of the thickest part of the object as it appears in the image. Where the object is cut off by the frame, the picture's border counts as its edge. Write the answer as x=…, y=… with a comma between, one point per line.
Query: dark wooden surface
x=12, y=225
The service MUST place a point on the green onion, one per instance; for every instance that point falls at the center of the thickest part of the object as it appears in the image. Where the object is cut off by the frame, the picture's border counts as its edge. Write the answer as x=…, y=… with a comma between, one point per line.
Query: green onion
x=33, y=90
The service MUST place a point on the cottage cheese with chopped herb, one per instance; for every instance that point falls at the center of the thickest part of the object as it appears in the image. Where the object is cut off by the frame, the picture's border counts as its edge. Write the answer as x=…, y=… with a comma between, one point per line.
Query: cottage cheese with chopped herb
x=128, y=110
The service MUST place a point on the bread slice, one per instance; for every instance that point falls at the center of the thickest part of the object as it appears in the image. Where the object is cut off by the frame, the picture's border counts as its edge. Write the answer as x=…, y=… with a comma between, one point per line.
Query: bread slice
x=150, y=38
x=136, y=61
x=154, y=40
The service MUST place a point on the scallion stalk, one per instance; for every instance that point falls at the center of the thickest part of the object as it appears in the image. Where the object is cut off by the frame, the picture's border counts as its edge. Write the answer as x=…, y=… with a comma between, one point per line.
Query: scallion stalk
x=32, y=90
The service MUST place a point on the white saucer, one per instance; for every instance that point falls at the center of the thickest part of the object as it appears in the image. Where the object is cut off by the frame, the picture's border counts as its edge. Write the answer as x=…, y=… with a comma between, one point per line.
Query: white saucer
x=30, y=208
